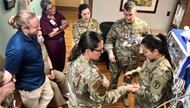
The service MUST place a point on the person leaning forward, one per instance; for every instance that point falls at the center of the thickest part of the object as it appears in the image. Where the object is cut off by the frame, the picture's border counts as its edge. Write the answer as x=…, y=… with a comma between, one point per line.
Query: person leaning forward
x=122, y=44
x=88, y=86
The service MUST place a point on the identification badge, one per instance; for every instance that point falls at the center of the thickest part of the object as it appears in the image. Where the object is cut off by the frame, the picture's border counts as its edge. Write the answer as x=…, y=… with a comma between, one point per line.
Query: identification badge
x=53, y=22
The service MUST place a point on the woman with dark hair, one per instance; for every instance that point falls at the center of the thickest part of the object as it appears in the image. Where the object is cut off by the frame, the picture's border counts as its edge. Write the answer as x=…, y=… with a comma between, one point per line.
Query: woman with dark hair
x=7, y=86
x=88, y=86
x=53, y=24
x=84, y=23
x=155, y=73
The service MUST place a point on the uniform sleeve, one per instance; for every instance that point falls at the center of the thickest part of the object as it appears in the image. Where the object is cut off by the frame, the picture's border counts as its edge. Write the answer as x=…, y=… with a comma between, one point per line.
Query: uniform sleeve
x=75, y=33
x=13, y=60
x=147, y=29
x=136, y=71
x=111, y=38
x=157, y=88
x=99, y=93
x=97, y=27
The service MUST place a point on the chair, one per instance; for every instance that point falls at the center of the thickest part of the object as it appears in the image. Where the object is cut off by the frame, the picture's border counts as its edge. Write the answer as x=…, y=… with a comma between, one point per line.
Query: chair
x=105, y=27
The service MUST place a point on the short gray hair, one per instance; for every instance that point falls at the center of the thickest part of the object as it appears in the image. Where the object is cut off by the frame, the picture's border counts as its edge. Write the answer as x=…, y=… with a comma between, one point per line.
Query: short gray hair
x=129, y=5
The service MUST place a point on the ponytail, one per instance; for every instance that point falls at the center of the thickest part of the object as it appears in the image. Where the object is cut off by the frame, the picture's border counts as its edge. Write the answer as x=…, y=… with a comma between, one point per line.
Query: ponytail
x=75, y=52
x=165, y=48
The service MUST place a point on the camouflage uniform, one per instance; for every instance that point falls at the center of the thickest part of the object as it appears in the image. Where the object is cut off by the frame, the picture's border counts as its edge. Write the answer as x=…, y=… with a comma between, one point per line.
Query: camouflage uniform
x=87, y=88
x=122, y=43
x=79, y=27
x=8, y=101
x=153, y=79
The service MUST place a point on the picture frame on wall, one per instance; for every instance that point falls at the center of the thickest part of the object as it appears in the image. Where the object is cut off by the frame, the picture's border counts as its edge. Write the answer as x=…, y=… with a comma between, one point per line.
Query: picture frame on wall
x=142, y=6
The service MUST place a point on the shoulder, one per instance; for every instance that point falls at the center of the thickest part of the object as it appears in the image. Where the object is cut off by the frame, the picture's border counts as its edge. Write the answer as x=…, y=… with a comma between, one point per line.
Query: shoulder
x=58, y=13
x=17, y=41
x=78, y=22
x=119, y=23
x=140, y=21
x=164, y=70
x=94, y=20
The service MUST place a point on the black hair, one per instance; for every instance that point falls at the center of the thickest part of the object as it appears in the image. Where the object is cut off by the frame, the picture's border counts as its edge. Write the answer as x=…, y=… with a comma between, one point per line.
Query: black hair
x=129, y=5
x=88, y=40
x=158, y=42
x=81, y=8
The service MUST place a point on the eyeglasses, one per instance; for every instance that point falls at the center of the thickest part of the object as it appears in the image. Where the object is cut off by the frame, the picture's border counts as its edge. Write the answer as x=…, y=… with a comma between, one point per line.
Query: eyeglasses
x=50, y=9
x=100, y=51
x=11, y=80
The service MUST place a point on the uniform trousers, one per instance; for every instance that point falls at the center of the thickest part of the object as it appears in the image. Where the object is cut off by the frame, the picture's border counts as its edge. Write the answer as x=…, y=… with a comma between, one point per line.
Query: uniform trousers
x=115, y=70
x=38, y=98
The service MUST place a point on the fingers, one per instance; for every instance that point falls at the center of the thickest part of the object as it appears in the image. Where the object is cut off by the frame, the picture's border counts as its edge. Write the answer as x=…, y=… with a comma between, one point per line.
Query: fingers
x=128, y=74
x=112, y=57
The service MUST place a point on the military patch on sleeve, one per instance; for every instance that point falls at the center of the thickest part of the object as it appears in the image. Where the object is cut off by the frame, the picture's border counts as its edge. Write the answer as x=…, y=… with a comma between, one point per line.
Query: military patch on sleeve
x=101, y=90
x=98, y=86
x=157, y=84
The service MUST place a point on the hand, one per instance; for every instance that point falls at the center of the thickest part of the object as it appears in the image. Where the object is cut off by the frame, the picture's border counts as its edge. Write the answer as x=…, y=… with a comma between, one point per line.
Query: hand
x=139, y=38
x=112, y=57
x=40, y=38
x=106, y=82
x=132, y=88
x=51, y=76
x=127, y=74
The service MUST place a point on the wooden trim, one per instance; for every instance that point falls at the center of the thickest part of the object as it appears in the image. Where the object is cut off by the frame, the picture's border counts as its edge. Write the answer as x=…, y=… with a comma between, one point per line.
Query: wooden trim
x=66, y=8
x=91, y=6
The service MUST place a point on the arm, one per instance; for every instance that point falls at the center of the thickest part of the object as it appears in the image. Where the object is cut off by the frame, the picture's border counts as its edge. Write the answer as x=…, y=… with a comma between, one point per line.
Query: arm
x=55, y=32
x=99, y=93
x=13, y=60
x=75, y=32
x=156, y=90
x=50, y=76
x=132, y=72
x=59, y=29
x=64, y=25
x=96, y=26
x=110, y=42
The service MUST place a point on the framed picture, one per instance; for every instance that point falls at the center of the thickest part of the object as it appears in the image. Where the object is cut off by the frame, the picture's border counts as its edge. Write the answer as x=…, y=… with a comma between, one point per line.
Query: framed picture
x=143, y=6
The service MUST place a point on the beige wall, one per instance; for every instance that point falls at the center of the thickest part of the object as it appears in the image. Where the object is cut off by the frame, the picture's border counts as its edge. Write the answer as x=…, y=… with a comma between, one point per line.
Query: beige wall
x=68, y=3
x=108, y=10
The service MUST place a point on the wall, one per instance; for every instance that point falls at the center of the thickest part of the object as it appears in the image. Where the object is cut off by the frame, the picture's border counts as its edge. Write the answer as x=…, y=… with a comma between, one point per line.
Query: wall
x=35, y=7
x=108, y=10
x=6, y=31
x=68, y=3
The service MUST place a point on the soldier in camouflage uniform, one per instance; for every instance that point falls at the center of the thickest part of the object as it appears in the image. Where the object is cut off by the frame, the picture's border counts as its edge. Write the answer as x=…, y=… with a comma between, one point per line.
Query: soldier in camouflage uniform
x=88, y=86
x=84, y=23
x=122, y=44
x=7, y=86
x=155, y=74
